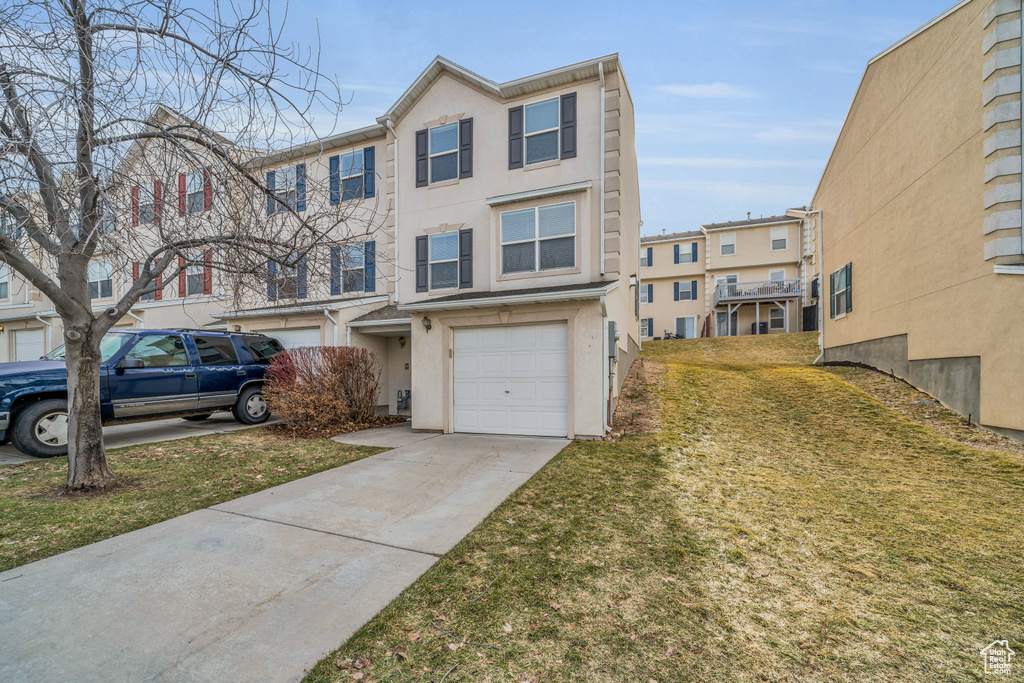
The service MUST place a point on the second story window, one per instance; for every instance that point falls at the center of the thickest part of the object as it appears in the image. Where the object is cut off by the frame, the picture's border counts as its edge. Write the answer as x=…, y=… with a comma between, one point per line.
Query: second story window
x=146, y=202
x=727, y=244
x=107, y=219
x=444, y=260
x=286, y=281
x=538, y=239
x=780, y=239
x=101, y=283
x=351, y=175
x=195, y=191
x=645, y=257
x=287, y=187
x=5, y=284
x=841, y=295
x=541, y=131
x=444, y=152
x=686, y=253
x=195, y=274
x=776, y=275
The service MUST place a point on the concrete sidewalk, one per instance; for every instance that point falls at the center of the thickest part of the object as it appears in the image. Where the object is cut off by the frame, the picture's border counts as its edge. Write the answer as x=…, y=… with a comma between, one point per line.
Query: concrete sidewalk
x=262, y=587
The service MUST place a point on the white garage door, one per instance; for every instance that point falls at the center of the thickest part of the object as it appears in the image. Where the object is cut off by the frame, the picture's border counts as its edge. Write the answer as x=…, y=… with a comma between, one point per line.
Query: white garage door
x=28, y=344
x=512, y=380
x=290, y=339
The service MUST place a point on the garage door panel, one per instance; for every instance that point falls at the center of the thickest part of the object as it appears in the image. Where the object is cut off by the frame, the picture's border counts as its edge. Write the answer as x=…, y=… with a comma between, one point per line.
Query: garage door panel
x=520, y=375
x=295, y=338
x=28, y=345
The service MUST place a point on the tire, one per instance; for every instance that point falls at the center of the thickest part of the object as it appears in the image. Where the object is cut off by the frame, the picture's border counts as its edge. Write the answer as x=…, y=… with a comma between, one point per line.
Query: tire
x=251, y=409
x=41, y=430
x=196, y=418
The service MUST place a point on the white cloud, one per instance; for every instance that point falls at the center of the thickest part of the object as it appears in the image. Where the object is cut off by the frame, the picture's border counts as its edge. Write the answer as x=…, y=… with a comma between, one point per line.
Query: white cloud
x=706, y=91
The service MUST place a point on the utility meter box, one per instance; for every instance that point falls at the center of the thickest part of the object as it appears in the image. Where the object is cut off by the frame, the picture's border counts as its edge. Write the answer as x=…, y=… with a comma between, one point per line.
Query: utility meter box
x=613, y=340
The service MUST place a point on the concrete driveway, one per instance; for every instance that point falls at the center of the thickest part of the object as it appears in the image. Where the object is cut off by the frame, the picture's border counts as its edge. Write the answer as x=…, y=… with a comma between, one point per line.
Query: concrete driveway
x=118, y=436
x=262, y=587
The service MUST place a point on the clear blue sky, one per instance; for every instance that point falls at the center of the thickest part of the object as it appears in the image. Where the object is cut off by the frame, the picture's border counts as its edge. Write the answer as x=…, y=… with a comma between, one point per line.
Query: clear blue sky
x=737, y=104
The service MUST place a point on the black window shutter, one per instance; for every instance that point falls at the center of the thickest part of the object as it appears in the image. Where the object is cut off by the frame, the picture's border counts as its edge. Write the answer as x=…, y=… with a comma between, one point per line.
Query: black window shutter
x=650, y=256
x=466, y=148
x=569, y=126
x=272, y=281
x=650, y=293
x=465, y=259
x=335, y=270
x=271, y=200
x=335, y=175
x=421, y=264
x=300, y=187
x=300, y=273
x=421, y=158
x=370, y=266
x=676, y=291
x=849, y=287
x=832, y=295
x=515, y=137
x=693, y=251
x=676, y=253
x=693, y=290
x=369, y=175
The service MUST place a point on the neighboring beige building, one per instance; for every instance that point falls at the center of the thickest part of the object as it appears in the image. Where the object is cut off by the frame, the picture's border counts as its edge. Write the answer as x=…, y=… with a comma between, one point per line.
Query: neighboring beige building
x=500, y=289
x=921, y=203
x=756, y=276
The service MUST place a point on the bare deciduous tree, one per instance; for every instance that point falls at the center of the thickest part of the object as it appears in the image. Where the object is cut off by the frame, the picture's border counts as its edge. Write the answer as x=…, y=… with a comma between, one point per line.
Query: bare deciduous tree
x=143, y=132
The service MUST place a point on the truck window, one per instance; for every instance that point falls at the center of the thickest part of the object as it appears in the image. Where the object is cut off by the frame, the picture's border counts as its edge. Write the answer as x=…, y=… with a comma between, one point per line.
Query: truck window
x=160, y=351
x=263, y=349
x=216, y=350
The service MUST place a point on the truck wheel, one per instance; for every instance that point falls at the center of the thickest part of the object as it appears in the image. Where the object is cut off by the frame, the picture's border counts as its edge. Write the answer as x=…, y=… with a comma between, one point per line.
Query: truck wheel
x=251, y=409
x=41, y=430
x=197, y=418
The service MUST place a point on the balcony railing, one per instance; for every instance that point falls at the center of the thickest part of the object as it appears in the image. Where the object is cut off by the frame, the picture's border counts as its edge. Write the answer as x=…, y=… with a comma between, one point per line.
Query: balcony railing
x=756, y=291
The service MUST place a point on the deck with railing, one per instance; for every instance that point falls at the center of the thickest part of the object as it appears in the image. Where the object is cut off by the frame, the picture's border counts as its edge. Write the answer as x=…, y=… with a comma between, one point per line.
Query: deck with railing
x=764, y=290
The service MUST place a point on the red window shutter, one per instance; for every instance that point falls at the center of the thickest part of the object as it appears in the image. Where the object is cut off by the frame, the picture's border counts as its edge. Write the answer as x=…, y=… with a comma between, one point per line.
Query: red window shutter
x=182, y=194
x=159, y=293
x=208, y=272
x=135, y=206
x=181, y=276
x=207, y=188
x=157, y=200
x=135, y=272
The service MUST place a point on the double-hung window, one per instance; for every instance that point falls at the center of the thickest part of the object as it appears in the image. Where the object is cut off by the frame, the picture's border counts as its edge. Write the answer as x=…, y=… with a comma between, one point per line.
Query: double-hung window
x=353, y=268
x=776, y=275
x=780, y=238
x=106, y=220
x=101, y=283
x=444, y=260
x=841, y=301
x=727, y=244
x=195, y=191
x=645, y=257
x=5, y=281
x=351, y=174
x=286, y=187
x=195, y=274
x=147, y=203
x=444, y=152
x=777, y=318
x=645, y=327
x=645, y=293
x=542, y=238
x=541, y=130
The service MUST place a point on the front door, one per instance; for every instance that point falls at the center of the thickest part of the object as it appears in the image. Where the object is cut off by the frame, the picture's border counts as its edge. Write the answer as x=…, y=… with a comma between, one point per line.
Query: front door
x=167, y=384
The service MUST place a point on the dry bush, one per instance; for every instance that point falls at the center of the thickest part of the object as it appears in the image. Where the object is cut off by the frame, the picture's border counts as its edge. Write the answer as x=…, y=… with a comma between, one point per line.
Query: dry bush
x=324, y=388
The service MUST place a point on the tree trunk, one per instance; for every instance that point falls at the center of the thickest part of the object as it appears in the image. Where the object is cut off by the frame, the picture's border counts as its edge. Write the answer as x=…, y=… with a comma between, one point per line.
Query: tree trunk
x=87, y=458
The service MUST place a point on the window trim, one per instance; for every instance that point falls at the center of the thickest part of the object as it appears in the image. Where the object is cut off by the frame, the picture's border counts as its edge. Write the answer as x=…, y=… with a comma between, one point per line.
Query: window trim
x=772, y=238
x=352, y=174
x=5, y=281
x=431, y=155
x=361, y=247
x=99, y=283
x=776, y=270
x=536, y=239
x=557, y=129
x=722, y=243
x=772, y=319
x=643, y=322
x=151, y=188
x=644, y=290
x=431, y=262
x=201, y=192
x=278, y=190
x=686, y=317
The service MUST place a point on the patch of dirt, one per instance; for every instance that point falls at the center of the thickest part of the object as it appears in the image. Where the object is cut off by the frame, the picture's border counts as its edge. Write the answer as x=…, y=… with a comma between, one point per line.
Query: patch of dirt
x=637, y=409
x=925, y=410
x=298, y=431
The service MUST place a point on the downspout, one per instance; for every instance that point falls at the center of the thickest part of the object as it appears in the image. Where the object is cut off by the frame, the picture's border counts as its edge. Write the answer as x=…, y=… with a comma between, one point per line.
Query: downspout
x=49, y=331
x=334, y=324
x=600, y=72
x=391, y=128
x=348, y=335
x=606, y=386
x=142, y=323
x=821, y=287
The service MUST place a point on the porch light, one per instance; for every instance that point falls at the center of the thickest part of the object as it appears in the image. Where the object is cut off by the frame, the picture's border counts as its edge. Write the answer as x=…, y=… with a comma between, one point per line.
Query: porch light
x=401, y=340
x=426, y=323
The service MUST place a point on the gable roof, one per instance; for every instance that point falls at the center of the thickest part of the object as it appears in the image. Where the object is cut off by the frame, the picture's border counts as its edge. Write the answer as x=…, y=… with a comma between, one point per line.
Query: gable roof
x=673, y=236
x=580, y=71
x=770, y=220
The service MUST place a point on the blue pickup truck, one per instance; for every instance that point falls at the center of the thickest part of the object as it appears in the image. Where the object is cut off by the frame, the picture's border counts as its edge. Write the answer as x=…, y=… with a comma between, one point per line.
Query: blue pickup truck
x=146, y=374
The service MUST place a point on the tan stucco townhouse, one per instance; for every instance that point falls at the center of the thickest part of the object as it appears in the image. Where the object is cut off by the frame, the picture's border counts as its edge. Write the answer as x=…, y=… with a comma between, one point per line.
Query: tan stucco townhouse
x=921, y=208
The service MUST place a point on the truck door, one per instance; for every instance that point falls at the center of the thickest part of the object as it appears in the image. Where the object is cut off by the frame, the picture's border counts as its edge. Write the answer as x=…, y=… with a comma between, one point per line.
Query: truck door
x=167, y=382
x=220, y=373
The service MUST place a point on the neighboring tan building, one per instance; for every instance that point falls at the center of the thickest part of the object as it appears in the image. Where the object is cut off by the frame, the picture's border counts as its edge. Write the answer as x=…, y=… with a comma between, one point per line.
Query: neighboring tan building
x=756, y=276
x=500, y=290
x=921, y=204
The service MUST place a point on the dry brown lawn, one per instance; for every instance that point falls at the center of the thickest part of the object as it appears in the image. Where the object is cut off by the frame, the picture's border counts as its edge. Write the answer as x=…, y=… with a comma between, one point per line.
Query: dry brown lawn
x=780, y=525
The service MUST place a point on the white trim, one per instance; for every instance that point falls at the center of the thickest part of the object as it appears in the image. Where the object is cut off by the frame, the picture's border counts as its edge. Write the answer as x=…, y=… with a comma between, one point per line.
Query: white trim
x=539, y=194
x=744, y=225
x=684, y=317
x=1008, y=270
x=288, y=310
x=536, y=239
x=556, y=129
x=659, y=239
x=487, y=302
x=919, y=31
x=381, y=323
x=178, y=301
